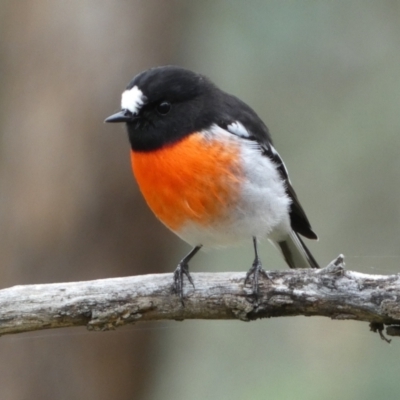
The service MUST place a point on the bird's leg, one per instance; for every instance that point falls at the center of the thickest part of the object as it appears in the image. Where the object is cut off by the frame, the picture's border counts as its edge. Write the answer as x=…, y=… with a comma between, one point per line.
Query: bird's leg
x=254, y=272
x=183, y=269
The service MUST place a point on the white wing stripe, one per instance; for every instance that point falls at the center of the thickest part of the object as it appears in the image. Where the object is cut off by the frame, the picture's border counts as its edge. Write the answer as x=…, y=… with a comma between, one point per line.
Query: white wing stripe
x=238, y=129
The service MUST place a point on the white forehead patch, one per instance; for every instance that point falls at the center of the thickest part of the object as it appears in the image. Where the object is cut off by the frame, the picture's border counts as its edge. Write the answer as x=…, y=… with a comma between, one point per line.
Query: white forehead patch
x=132, y=100
x=238, y=129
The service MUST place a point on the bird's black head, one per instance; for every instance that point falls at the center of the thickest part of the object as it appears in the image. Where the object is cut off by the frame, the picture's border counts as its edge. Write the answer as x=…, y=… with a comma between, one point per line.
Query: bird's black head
x=162, y=105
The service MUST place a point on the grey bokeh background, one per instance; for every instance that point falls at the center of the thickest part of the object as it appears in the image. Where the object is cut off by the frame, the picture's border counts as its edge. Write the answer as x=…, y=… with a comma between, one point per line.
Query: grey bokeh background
x=324, y=76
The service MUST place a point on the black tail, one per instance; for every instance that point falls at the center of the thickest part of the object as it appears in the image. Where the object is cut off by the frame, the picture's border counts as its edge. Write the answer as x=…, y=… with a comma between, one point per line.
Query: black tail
x=296, y=253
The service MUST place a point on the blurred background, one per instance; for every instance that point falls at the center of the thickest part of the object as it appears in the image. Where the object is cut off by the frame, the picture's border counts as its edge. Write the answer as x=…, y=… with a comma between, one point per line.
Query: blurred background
x=325, y=78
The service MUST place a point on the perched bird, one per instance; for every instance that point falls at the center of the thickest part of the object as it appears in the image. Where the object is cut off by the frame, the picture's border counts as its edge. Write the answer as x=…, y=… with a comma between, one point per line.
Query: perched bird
x=206, y=166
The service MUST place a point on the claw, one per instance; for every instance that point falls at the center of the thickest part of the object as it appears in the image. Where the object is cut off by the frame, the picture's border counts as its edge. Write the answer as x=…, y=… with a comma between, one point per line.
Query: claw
x=254, y=272
x=253, y=276
x=181, y=270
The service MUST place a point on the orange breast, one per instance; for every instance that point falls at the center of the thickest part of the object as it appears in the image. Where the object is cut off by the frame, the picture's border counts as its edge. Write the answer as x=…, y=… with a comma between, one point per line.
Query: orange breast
x=194, y=180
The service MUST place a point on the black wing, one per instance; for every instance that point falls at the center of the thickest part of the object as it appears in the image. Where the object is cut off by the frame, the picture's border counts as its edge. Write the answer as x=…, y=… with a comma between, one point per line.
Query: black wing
x=242, y=121
x=298, y=217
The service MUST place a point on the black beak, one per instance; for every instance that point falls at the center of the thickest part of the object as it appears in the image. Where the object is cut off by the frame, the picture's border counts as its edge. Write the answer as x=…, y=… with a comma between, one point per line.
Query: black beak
x=122, y=116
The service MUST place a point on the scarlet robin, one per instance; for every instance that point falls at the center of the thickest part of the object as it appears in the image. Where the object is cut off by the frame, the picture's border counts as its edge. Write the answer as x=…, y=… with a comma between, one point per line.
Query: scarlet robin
x=206, y=165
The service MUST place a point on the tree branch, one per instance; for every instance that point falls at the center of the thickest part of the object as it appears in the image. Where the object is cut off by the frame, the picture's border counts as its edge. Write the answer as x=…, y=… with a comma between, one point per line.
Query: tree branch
x=109, y=303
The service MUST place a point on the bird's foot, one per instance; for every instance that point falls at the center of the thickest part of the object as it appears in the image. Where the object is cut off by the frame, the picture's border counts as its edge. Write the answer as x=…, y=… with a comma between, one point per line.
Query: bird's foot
x=181, y=270
x=253, y=277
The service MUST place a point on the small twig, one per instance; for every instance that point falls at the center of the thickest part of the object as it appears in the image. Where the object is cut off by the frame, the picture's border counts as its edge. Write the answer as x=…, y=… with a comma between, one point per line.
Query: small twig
x=375, y=327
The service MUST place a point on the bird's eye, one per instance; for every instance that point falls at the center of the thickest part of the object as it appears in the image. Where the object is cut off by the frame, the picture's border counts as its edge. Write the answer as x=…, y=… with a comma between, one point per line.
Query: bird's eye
x=164, y=107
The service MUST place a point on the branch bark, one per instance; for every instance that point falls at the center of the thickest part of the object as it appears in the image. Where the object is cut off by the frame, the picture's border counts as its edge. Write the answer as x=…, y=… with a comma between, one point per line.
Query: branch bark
x=109, y=303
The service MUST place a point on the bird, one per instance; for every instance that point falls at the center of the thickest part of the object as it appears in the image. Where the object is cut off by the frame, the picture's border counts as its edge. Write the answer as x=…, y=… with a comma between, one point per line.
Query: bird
x=207, y=168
